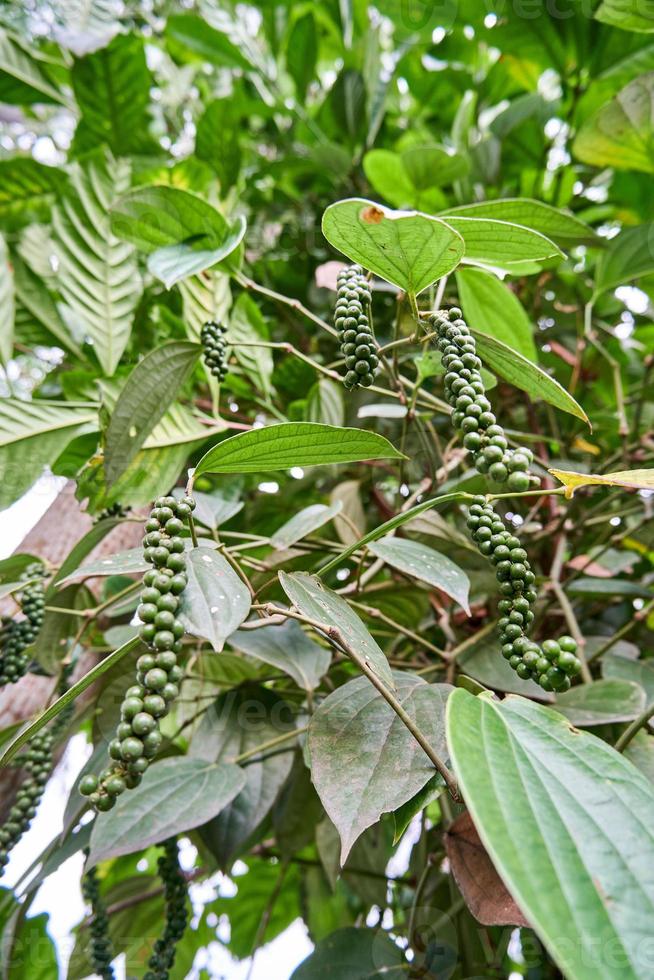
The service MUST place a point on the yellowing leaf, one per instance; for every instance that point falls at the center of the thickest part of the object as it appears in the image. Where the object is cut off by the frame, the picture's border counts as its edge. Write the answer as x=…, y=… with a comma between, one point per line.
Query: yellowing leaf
x=584, y=446
x=632, y=479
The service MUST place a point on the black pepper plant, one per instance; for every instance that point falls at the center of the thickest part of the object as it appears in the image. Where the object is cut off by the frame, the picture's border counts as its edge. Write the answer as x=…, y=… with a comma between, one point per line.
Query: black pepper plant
x=334, y=325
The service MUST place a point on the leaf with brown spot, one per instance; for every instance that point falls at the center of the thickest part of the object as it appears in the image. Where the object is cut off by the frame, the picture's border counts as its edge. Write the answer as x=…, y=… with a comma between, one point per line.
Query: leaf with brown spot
x=484, y=891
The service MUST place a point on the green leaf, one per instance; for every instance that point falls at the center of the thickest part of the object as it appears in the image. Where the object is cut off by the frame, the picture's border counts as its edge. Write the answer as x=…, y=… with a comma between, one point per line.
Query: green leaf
x=34, y=956
x=154, y=217
x=631, y=479
x=601, y=703
x=356, y=731
x=315, y=600
x=484, y=662
x=239, y=722
x=516, y=369
x=325, y=403
x=629, y=15
x=172, y=263
x=217, y=140
x=305, y=522
x=190, y=34
x=409, y=249
x=7, y=304
x=28, y=186
x=175, y=795
x=247, y=326
x=32, y=435
x=641, y=672
x=288, y=648
x=121, y=563
x=280, y=447
x=24, y=76
x=574, y=854
x=302, y=53
x=621, y=133
x=150, y=388
x=216, y=600
x=560, y=226
x=627, y=257
x=98, y=275
x=412, y=178
x=500, y=243
x=81, y=549
x=495, y=309
x=33, y=295
x=354, y=954
x=112, y=90
x=419, y=561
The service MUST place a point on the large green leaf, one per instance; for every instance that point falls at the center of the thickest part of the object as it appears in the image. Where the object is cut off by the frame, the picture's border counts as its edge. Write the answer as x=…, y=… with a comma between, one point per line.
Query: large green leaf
x=216, y=600
x=26, y=185
x=356, y=731
x=490, y=306
x=239, y=722
x=566, y=821
x=150, y=388
x=7, y=304
x=288, y=648
x=247, y=326
x=302, y=53
x=412, y=178
x=627, y=257
x=501, y=243
x=621, y=133
x=211, y=509
x=34, y=956
x=32, y=435
x=526, y=375
x=560, y=226
x=354, y=954
x=188, y=34
x=154, y=217
x=172, y=263
x=630, y=15
x=98, y=274
x=34, y=297
x=25, y=76
x=315, y=600
x=407, y=248
x=112, y=91
x=280, y=447
x=640, y=672
x=217, y=140
x=176, y=794
x=122, y=563
x=422, y=562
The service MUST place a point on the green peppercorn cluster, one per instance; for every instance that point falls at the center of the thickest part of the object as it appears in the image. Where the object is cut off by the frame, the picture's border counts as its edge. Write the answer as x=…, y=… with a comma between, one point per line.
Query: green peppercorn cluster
x=472, y=415
x=157, y=672
x=554, y=662
x=21, y=633
x=101, y=953
x=175, y=888
x=352, y=320
x=36, y=761
x=213, y=340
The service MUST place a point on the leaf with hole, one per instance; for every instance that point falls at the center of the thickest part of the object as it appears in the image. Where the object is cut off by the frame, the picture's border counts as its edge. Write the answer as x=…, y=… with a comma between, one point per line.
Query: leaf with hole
x=288, y=444
x=355, y=731
x=574, y=851
x=407, y=248
x=422, y=562
x=176, y=795
x=216, y=600
x=315, y=600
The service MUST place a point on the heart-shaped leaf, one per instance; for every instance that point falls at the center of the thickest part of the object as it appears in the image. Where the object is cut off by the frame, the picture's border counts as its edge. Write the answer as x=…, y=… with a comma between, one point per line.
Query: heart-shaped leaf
x=422, y=562
x=216, y=600
x=407, y=248
x=288, y=648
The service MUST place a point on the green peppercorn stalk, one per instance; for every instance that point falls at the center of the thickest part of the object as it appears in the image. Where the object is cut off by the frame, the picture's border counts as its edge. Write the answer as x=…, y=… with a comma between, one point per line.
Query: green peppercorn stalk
x=101, y=951
x=175, y=894
x=158, y=674
x=352, y=320
x=555, y=662
x=21, y=633
x=36, y=761
x=213, y=341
